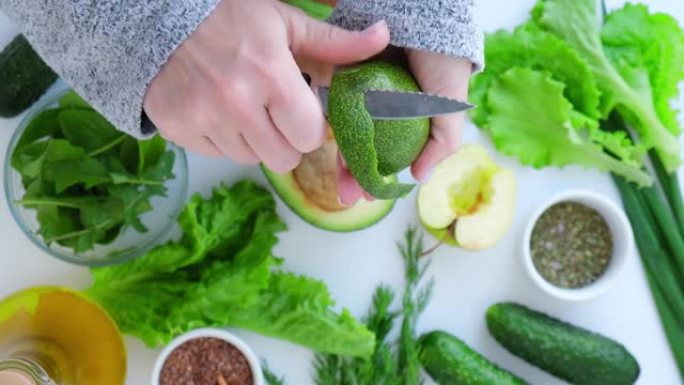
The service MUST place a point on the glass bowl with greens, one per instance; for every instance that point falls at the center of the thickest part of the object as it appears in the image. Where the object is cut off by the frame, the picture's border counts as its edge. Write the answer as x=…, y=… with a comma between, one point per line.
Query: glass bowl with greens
x=86, y=193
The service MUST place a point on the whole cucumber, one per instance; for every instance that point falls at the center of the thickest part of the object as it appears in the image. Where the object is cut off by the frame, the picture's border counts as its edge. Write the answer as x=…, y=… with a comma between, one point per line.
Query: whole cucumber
x=449, y=361
x=569, y=352
x=24, y=77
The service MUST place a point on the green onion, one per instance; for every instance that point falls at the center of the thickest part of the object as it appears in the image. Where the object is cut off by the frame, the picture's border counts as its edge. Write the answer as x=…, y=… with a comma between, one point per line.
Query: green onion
x=670, y=186
x=673, y=330
x=657, y=223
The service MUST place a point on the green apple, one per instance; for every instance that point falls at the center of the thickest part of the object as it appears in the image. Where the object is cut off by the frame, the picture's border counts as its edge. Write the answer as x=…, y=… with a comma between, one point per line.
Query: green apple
x=469, y=201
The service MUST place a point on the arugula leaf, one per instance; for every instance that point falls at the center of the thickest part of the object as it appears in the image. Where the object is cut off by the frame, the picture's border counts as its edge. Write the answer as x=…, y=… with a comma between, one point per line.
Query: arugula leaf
x=57, y=220
x=73, y=100
x=129, y=155
x=44, y=124
x=151, y=152
x=72, y=154
x=137, y=202
x=66, y=173
x=552, y=133
x=139, y=155
x=650, y=45
x=576, y=22
x=221, y=273
x=87, y=129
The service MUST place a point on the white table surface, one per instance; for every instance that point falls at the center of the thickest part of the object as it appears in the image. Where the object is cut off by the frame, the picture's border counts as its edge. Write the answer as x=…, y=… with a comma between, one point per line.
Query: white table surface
x=353, y=264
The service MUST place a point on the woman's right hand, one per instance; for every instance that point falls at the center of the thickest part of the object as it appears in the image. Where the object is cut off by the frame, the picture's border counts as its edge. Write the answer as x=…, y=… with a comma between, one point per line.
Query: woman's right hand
x=233, y=87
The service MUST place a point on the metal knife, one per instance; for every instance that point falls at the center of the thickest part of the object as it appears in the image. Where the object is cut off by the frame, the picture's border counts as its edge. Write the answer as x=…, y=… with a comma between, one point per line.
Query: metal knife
x=383, y=105
x=394, y=105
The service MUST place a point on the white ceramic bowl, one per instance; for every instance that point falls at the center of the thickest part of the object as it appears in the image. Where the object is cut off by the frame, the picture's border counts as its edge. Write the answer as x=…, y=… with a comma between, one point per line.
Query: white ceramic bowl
x=623, y=244
x=220, y=334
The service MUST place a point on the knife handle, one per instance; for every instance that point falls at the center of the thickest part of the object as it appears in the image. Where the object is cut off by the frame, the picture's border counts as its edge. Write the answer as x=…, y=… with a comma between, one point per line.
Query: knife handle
x=307, y=78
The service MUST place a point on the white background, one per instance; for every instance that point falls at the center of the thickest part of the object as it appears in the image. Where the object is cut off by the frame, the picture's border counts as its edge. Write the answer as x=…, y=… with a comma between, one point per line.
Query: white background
x=353, y=264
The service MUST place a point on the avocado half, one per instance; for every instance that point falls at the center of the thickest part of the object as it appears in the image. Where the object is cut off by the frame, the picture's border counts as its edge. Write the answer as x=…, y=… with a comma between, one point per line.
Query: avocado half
x=310, y=190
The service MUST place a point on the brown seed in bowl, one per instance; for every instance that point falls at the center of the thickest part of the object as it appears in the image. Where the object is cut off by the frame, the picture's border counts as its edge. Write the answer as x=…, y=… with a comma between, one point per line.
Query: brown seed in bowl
x=206, y=361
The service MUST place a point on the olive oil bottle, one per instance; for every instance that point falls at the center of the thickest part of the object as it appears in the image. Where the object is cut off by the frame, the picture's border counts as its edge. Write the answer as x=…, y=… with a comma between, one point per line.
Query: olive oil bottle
x=18, y=371
x=59, y=330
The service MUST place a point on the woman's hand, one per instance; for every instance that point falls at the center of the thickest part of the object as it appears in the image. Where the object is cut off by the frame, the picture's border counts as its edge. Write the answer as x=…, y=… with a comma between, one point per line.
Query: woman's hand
x=233, y=87
x=436, y=74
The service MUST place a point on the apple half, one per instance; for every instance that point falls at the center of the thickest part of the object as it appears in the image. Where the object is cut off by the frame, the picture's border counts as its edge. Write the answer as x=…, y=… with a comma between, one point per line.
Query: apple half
x=469, y=201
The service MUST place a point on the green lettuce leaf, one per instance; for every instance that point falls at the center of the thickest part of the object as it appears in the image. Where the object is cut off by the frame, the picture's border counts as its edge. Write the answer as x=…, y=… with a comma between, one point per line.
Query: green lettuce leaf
x=552, y=133
x=530, y=47
x=300, y=308
x=221, y=273
x=577, y=23
x=649, y=49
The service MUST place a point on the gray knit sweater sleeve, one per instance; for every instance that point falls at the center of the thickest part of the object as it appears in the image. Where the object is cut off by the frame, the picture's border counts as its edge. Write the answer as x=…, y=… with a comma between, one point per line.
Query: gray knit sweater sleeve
x=109, y=50
x=445, y=26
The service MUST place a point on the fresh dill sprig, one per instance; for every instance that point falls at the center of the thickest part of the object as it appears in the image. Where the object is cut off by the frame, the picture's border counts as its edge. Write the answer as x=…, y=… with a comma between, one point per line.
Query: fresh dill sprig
x=414, y=302
x=270, y=377
x=394, y=362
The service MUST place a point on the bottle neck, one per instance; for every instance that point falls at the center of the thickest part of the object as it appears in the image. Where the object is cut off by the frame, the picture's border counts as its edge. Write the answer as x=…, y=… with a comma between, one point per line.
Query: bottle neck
x=23, y=372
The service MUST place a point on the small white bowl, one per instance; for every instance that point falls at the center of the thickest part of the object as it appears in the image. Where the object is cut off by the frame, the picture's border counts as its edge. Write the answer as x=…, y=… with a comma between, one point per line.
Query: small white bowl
x=220, y=334
x=623, y=245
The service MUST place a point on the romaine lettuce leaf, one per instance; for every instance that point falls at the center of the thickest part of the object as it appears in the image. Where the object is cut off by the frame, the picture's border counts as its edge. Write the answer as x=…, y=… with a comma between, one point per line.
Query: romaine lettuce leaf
x=222, y=273
x=577, y=23
x=649, y=49
x=530, y=118
x=531, y=47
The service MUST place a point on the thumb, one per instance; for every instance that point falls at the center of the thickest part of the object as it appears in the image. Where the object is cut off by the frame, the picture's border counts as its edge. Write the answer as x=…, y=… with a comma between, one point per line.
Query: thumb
x=332, y=44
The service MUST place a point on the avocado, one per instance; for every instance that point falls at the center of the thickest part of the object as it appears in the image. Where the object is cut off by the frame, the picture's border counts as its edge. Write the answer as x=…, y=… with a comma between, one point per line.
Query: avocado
x=310, y=190
x=449, y=361
x=571, y=353
x=375, y=150
x=24, y=77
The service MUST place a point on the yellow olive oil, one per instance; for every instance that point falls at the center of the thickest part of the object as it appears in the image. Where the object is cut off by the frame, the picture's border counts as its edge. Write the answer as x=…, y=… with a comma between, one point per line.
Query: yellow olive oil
x=72, y=338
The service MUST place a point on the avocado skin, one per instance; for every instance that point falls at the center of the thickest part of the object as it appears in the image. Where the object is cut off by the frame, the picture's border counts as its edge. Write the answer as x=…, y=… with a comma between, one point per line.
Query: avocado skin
x=449, y=361
x=571, y=353
x=374, y=149
x=24, y=77
x=397, y=142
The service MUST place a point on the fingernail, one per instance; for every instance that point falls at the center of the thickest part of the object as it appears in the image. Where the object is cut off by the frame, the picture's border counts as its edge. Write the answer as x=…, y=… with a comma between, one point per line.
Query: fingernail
x=376, y=27
x=341, y=202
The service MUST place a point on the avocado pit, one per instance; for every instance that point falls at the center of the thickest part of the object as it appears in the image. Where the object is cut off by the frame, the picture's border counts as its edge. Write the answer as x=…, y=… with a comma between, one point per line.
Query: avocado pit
x=316, y=177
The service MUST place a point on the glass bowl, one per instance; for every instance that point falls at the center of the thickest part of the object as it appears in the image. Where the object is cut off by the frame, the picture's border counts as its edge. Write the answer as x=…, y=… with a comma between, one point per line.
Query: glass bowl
x=129, y=243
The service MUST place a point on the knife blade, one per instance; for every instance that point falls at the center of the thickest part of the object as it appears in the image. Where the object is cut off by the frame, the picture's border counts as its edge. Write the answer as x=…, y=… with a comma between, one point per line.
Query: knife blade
x=394, y=105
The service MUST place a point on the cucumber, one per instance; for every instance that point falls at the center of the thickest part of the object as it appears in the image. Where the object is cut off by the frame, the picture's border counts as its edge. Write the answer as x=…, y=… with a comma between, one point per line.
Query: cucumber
x=571, y=353
x=449, y=361
x=24, y=77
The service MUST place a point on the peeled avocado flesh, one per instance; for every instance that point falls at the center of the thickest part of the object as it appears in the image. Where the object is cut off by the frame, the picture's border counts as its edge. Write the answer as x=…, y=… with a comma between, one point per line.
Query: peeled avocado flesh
x=374, y=149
